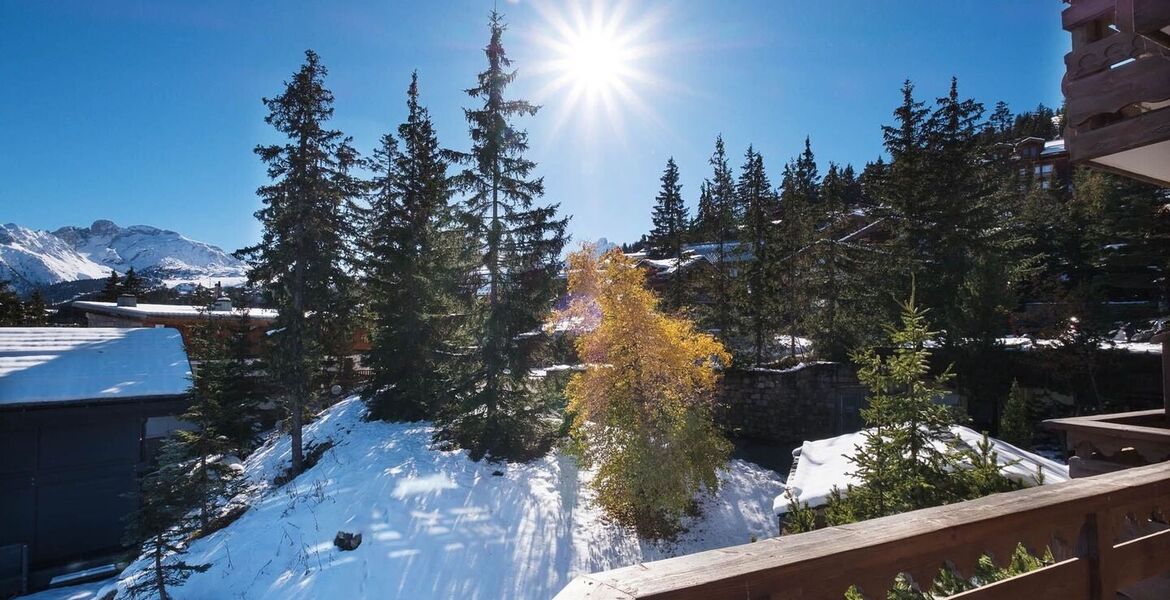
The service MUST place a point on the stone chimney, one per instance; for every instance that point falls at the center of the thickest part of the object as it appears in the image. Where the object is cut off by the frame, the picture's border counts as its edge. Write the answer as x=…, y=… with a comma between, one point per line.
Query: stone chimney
x=127, y=300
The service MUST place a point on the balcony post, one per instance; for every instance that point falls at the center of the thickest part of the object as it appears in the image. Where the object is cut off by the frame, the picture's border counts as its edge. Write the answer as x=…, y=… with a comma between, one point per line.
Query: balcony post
x=1163, y=337
x=1099, y=536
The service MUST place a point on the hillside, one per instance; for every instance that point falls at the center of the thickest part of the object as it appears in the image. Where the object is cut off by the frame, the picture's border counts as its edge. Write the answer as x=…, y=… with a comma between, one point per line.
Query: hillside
x=37, y=259
x=436, y=524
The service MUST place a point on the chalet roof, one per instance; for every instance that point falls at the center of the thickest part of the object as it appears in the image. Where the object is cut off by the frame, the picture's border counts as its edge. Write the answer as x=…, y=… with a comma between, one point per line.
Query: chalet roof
x=143, y=311
x=824, y=464
x=56, y=364
x=1053, y=147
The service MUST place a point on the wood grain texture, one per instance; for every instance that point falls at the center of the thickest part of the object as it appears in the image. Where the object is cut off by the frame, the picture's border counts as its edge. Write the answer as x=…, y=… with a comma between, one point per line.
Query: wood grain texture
x=823, y=564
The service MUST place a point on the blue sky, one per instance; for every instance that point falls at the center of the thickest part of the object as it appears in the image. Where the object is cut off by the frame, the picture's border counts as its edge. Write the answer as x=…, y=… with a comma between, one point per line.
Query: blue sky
x=147, y=112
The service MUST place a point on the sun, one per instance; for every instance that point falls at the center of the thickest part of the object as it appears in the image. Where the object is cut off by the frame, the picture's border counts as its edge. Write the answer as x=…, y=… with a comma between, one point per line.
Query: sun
x=597, y=61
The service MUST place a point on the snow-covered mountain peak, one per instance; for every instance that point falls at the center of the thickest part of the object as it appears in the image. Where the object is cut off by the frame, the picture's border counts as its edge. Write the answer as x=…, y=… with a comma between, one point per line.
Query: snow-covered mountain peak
x=35, y=258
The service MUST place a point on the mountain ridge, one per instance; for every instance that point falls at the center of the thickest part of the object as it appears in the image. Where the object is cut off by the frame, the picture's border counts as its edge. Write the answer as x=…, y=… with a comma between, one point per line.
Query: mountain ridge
x=35, y=258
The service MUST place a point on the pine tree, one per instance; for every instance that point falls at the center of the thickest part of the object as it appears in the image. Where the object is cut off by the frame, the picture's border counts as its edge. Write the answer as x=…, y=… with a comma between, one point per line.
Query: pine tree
x=706, y=223
x=900, y=465
x=305, y=255
x=521, y=243
x=798, y=216
x=112, y=288
x=133, y=283
x=642, y=410
x=11, y=309
x=757, y=288
x=720, y=228
x=415, y=265
x=908, y=460
x=227, y=386
x=1015, y=424
x=35, y=312
x=844, y=277
x=670, y=231
x=165, y=517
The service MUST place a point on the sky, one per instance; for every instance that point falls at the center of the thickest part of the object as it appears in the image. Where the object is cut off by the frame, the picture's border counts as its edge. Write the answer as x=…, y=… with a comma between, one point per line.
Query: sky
x=147, y=112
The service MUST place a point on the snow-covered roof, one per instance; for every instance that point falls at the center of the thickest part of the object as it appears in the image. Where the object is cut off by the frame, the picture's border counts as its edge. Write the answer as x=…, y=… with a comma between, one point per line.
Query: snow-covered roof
x=824, y=464
x=1053, y=147
x=668, y=266
x=57, y=364
x=1024, y=343
x=732, y=251
x=173, y=310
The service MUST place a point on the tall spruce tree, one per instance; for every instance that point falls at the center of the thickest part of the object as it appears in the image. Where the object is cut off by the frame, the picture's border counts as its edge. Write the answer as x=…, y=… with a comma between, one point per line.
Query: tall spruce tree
x=164, y=520
x=415, y=265
x=112, y=288
x=133, y=284
x=669, y=232
x=757, y=287
x=705, y=224
x=35, y=311
x=844, y=275
x=11, y=308
x=305, y=255
x=798, y=215
x=520, y=244
x=669, y=216
x=720, y=229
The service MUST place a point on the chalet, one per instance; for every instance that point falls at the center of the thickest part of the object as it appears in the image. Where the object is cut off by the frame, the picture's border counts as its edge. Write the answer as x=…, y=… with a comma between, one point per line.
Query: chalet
x=127, y=312
x=1044, y=161
x=1117, y=87
x=82, y=413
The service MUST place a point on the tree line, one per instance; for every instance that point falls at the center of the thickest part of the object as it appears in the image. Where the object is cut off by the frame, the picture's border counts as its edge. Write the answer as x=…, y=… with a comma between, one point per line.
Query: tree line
x=951, y=208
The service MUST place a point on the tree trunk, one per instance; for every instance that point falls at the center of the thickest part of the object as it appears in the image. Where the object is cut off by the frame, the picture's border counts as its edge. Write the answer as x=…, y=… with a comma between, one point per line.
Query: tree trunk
x=159, y=576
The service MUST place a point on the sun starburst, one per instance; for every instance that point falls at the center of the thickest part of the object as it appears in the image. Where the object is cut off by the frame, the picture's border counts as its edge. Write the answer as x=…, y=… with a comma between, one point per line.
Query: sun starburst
x=597, y=64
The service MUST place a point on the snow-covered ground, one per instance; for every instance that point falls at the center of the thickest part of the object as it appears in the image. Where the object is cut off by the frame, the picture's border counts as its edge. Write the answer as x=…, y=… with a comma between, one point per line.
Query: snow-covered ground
x=437, y=525
x=86, y=591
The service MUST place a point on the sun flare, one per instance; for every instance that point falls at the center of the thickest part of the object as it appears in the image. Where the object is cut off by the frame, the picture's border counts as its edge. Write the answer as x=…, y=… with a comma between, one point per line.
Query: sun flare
x=597, y=63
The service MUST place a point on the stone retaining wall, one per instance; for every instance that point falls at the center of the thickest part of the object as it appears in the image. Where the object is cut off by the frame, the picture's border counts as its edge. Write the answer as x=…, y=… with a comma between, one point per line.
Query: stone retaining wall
x=803, y=403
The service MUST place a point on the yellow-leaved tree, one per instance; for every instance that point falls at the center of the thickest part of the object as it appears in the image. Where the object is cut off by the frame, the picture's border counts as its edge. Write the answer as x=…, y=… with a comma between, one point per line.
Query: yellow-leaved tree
x=642, y=408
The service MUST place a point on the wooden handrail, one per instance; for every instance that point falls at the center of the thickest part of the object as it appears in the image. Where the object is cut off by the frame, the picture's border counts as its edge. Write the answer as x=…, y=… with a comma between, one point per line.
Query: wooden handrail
x=1098, y=529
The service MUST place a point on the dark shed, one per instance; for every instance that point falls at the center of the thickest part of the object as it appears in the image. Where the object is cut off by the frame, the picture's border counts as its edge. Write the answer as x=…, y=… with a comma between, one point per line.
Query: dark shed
x=81, y=413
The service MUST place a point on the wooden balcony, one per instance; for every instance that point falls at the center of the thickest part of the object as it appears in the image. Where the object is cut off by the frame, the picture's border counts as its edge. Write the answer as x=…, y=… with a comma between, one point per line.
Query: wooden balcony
x=1108, y=534
x=1117, y=86
x=1105, y=443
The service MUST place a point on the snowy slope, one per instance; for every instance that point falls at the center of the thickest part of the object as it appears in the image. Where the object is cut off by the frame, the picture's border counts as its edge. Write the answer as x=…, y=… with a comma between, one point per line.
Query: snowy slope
x=437, y=525
x=31, y=258
x=148, y=249
x=35, y=259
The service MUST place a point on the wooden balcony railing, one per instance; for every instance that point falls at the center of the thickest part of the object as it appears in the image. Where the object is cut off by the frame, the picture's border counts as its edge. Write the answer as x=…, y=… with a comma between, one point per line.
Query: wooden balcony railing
x=1107, y=533
x=1117, y=86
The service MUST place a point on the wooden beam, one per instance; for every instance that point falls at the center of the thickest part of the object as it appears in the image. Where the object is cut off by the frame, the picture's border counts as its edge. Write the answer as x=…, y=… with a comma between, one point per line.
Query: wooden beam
x=1126, y=134
x=823, y=563
x=1102, y=54
x=1149, y=16
x=1081, y=12
x=1142, y=558
x=1146, y=79
x=1068, y=580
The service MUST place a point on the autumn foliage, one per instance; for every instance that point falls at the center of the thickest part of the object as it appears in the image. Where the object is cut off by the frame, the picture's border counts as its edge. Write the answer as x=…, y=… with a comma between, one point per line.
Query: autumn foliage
x=642, y=408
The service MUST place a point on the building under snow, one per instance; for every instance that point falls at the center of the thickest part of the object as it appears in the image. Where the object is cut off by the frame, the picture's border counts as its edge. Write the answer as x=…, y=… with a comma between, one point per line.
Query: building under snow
x=821, y=465
x=82, y=412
